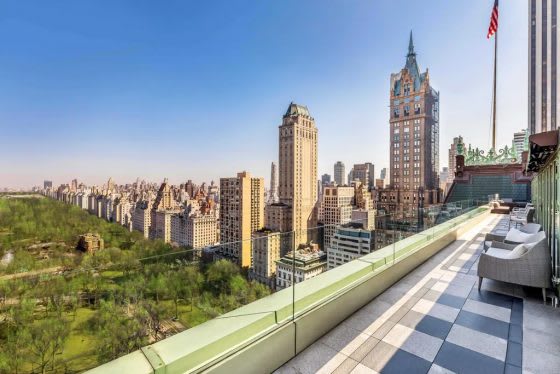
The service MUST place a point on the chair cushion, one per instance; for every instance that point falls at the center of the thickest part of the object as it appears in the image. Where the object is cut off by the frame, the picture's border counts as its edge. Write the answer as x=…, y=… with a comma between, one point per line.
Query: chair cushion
x=517, y=236
x=499, y=253
x=530, y=228
x=519, y=251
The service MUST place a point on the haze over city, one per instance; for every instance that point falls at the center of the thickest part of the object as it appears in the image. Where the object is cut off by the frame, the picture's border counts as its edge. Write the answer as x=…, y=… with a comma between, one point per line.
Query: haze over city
x=198, y=90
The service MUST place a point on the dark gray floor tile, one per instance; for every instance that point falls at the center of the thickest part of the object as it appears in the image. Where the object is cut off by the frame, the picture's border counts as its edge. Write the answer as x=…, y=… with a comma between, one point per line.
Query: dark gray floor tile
x=385, y=358
x=451, y=300
x=514, y=354
x=512, y=369
x=427, y=324
x=515, y=333
x=445, y=299
x=490, y=297
x=516, y=317
x=483, y=324
x=465, y=361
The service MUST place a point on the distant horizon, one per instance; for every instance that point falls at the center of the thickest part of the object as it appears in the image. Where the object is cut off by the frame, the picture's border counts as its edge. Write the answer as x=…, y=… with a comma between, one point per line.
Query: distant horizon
x=197, y=91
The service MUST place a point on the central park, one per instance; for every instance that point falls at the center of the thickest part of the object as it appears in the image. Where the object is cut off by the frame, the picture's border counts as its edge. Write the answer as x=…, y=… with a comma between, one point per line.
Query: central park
x=64, y=311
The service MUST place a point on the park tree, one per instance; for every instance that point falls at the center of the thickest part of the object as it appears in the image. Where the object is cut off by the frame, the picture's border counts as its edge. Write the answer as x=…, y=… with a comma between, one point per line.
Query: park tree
x=47, y=339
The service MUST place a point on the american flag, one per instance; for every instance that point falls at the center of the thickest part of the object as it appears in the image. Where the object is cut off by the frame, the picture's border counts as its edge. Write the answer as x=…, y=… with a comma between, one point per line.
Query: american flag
x=493, y=28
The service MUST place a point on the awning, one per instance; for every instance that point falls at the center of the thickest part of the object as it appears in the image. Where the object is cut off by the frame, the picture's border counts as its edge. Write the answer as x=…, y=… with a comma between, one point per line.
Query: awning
x=541, y=147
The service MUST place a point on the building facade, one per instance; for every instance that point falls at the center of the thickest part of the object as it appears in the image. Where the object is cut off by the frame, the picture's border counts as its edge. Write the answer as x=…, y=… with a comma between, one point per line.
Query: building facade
x=308, y=262
x=298, y=168
x=365, y=173
x=543, y=65
x=452, y=162
x=339, y=173
x=350, y=241
x=265, y=253
x=519, y=140
x=273, y=192
x=414, y=128
x=336, y=208
x=241, y=214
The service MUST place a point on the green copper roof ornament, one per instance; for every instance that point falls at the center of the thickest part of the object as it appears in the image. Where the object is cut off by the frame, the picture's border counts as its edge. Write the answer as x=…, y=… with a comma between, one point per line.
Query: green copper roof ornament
x=477, y=156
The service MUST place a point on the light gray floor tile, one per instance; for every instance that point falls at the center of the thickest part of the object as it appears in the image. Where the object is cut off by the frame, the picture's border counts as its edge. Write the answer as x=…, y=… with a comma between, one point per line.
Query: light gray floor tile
x=317, y=358
x=485, y=344
x=415, y=342
x=541, y=318
x=541, y=341
x=383, y=329
x=362, y=369
x=487, y=310
x=364, y=349
x=343, y=339
x=346, y=367
x=537, y=361
x=457, y=290
x=436, y=369
x=437, y=310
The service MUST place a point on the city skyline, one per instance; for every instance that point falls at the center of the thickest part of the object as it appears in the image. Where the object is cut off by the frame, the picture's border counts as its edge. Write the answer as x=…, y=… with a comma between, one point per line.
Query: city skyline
x=47, y=114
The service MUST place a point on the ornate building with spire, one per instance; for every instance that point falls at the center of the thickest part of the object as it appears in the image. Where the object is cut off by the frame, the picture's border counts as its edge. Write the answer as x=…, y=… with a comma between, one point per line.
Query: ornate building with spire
x=414, y=140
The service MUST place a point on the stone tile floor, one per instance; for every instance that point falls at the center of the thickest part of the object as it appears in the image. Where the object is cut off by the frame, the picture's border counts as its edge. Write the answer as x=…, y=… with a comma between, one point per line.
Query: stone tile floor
x=435, y=320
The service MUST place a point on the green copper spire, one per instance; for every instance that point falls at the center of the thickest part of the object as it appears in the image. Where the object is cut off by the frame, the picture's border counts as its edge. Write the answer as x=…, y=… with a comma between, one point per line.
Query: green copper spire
x=410, y=46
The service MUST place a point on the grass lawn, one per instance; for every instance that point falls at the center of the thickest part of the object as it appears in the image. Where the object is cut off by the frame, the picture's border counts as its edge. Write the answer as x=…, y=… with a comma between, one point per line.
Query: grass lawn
x=190, y=318
x=79, y=350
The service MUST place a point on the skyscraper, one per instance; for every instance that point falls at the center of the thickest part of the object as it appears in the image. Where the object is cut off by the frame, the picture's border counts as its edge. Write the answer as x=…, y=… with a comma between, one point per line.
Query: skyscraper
x=452, y=158
x=298, y=168
x=414, y=140
x=339, y=173
x=273, y=183
x=241, y=214
x=365, y=173
x=519, y=141
x=414, y=132
x=325, y=179
x=543, y=62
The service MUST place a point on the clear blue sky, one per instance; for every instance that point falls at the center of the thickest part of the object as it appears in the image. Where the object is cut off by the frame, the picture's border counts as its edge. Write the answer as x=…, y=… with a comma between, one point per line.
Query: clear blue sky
x=196, y=89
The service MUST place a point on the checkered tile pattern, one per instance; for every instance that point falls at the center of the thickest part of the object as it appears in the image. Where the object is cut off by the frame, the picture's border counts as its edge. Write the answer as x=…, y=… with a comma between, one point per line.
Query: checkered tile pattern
x=451, y=328
x=443, y=324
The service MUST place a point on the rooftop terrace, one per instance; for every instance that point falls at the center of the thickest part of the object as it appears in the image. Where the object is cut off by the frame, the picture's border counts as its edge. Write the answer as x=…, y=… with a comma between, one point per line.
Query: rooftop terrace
x=435, y=320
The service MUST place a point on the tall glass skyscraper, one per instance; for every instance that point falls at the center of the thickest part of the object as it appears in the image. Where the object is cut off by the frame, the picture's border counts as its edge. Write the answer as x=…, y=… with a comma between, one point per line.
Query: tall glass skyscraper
x=543, y=57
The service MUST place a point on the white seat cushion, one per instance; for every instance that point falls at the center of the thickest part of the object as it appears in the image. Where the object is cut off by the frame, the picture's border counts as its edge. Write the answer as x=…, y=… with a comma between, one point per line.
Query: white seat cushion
x=499, y=252
x=517, y=236
x=519, y=251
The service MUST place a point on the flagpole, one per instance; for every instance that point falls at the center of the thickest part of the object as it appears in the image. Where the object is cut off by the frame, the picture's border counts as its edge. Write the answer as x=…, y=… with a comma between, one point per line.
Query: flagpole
x=494, y=92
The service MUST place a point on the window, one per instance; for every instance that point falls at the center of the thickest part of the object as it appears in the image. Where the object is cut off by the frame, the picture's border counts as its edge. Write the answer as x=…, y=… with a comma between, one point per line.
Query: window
x=396, y=112
x=416, y=108
x=397, y=131
x=406, y=110
x=406, y=129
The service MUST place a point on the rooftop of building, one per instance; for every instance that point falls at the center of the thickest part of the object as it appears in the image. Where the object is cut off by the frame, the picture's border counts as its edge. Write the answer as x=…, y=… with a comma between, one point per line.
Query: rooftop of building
x=297, y=110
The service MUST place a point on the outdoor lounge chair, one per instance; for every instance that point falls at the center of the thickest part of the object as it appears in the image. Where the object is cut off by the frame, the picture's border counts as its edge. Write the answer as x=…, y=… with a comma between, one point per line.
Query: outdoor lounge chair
x=522, y=217
x=514, y=236
x=527, y=264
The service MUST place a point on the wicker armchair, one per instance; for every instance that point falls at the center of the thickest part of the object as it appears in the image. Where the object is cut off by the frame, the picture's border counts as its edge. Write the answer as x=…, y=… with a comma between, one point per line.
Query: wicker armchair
x=523, y=217
x=529, y=228
x=531, y=268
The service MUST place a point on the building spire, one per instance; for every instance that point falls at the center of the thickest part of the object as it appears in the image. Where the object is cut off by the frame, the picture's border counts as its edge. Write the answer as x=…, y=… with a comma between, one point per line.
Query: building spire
x=410, y=46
